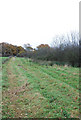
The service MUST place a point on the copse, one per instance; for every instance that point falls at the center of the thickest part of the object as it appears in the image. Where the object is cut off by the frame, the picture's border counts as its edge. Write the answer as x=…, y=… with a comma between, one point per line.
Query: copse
x=68, y=49
x=43, y=46
x=42, y=52
x=11, y=50
x=64, y=49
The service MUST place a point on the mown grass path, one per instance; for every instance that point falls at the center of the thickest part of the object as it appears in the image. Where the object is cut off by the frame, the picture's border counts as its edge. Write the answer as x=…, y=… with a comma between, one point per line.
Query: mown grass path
x=32, y=90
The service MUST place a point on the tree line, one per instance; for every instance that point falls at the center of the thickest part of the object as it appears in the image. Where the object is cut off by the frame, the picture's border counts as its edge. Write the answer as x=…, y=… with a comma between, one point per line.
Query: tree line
x=10, y=50
x=63, y=50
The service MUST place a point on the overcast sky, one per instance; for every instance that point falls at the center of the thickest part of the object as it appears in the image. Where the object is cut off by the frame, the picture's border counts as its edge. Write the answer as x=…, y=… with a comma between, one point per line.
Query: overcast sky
x=37, y=21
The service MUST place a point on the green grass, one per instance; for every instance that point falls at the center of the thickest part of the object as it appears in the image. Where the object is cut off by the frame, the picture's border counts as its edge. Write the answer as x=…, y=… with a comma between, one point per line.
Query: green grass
x=51, y=92
x=4, y=58
x=0, y=86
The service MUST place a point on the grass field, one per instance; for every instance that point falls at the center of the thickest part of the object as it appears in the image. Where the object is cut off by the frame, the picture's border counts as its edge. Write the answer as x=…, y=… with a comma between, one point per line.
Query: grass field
x=39, y=91
x=4, y=58
x=0, y=86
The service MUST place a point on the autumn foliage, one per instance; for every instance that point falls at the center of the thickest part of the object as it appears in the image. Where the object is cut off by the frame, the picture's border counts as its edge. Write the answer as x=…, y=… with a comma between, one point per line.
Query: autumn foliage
x=43, y=46
x=11, y=50
x=64, y=49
